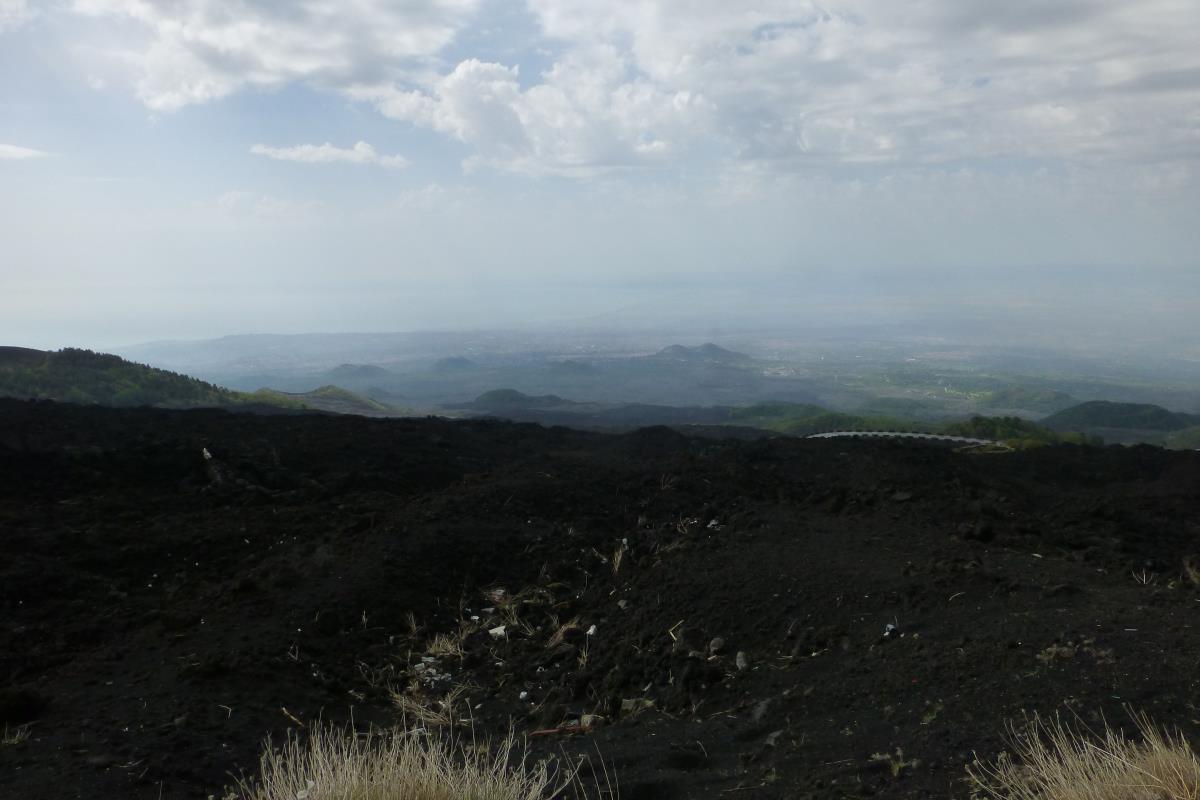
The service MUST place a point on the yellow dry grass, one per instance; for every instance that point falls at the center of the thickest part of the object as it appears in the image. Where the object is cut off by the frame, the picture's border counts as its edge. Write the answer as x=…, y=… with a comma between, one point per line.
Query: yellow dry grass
x=1055, y=762
x=336, y=764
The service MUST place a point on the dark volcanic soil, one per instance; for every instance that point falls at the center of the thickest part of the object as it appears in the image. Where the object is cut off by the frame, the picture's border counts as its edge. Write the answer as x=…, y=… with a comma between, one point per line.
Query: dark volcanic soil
x=160, y=612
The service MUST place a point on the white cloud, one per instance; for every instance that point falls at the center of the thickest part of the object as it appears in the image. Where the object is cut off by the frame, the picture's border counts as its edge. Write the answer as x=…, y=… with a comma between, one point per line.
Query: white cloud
x=590, y=112
x=934, y=80
x=360, y=153
x=797, y=84
x=13, y=152
x=202, y=50
x=14, y=14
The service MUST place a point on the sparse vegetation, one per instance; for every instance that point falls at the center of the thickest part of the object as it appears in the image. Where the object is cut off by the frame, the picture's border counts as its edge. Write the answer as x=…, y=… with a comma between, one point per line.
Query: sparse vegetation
x=1056, y=762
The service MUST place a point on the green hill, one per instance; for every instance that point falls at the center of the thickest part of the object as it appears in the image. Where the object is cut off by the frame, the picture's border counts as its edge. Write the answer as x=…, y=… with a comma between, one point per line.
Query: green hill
x=80, y=376
x=83, y=377
x=1130, y=416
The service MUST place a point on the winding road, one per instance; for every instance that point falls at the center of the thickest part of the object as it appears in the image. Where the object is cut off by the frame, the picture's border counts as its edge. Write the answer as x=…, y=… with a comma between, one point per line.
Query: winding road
x=929, y=437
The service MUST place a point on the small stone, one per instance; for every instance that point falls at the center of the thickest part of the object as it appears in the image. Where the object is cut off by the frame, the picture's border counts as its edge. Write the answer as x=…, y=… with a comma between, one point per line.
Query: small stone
x=497, y=632
x=742, y=662
x=716, y=645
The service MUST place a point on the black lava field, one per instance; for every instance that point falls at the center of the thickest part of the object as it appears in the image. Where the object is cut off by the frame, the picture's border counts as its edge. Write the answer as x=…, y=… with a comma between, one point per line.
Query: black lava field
x=705, y=617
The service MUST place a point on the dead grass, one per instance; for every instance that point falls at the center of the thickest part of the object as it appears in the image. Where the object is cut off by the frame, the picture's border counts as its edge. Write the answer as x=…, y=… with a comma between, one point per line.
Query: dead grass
x=336, y=764
x=445, y=645
x=1055, y=762
x=431, y=713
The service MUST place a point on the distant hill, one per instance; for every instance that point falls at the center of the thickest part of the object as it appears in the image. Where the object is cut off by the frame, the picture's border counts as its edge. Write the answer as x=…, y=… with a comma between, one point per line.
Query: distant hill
x=704, y=353
x=81, y=376
x=1046, y=401
x=356, y=373
x=510, y=399
x=1131, y=416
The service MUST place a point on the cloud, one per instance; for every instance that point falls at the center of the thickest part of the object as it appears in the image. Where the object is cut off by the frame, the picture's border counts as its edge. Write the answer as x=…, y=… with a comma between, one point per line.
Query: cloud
x=360, y=153
x=14, y=14
x=591, y=112
x=873, y=81
x=842, y=85
x=13, y=152
x=202, y=50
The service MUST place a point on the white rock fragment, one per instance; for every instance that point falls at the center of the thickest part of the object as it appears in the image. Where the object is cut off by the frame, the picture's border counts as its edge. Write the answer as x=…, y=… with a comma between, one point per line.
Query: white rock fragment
x=742, y=662
x=497, y=632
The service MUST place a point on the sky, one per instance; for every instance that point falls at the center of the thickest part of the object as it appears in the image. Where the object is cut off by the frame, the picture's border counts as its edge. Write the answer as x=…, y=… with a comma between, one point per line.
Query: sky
x=193, y=168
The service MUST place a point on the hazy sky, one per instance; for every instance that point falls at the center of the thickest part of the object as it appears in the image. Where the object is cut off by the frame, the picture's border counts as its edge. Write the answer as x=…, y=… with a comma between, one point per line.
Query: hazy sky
x=185, y=168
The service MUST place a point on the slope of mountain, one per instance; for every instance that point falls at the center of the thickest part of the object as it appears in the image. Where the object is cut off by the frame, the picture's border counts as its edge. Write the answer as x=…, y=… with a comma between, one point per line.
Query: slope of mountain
x=81, y=376
x=87, y=378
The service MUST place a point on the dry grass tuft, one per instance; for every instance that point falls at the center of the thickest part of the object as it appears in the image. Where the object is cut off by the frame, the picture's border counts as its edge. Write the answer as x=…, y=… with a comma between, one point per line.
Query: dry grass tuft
x=336, y=764
x=429, y=712
x=1055, y=762
x=16, y=735
x=445, y=645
